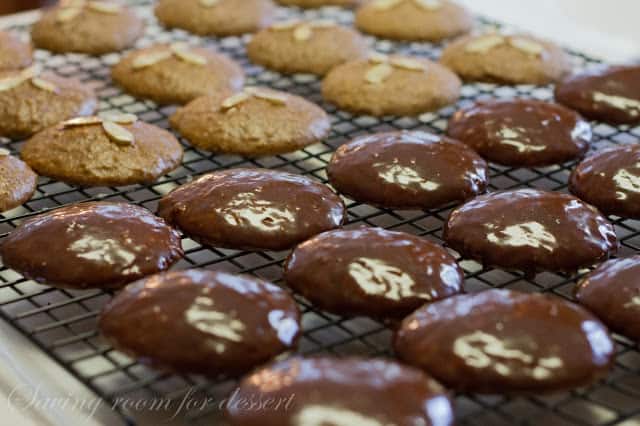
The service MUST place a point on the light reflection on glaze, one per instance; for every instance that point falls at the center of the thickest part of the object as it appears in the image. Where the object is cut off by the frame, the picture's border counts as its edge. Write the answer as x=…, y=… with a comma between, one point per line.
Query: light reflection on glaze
x=106, y=250
x=631, y=106
x=509, y=138
x=404, y=176
x=601, y=343
x=377, y=277
x=203, y=315
x=319, y=415
x=532, y=234
x=626, y=181
x=246, y=209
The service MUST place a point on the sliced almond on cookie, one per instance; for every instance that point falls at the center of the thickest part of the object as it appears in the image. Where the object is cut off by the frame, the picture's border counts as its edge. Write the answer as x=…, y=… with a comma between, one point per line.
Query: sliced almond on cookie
x=285, y=25
x=378, y=73
x=429, y=5
x=484, y=43
x=11, y=82
x=68, y=14
x=234, y=100
x=302, y=33
x=186, y=55
x=273, y=97
x=44, y=84
x=105, y=7
x=408, y=64
x=385, y=4
x=377, y=58
x=148, y=59
x=527, y=46
x=209, y=3
x=82, y=121
x=119, y=118
x=4, y=152
x=118, y=133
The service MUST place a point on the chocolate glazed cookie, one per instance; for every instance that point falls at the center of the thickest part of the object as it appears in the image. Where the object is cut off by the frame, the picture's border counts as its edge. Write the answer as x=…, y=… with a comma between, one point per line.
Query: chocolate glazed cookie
x=346, y=392
x=612, y=292
x=531, y=230
x=91, y=245
x=610, y=95
x=372, y=272
x=610, y=180
x=522, y=133
x=506, y=342
x=407, y=170
x=253, y=209
x=202, y=322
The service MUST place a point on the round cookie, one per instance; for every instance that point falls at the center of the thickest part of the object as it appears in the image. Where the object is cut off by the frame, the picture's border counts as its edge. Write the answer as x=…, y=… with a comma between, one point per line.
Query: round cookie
x=30, y=101
x=91, y=245
x=522, y=132
x=609, y=94
x=17, y=181
x=506, y=59
x=416, y=20
x=85, y=26
x=391, y=85
x=610, y=180
x=14, y=54
x=328, y=391
x=531, y=230
x=506, y=342
x=215, y=17
x=253, y=209
x=257, y=121
x=111, y=151
x=305, y=47
x=218, y=323
x=310, y=4
x=372, y=272
x=407, y=170
x=177, y=73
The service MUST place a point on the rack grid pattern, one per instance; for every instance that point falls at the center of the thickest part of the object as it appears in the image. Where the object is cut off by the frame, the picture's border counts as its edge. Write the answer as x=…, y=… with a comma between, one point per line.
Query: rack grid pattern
x=62, y=323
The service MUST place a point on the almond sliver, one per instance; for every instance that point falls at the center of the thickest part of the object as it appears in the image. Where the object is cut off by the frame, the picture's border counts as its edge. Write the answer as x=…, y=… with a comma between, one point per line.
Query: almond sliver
x=4, y=152
x=191, y=57
x=377, y=58
x=209, y=3
x=105, y=7
x=429, y=5
x=408, y=64
x=378, y=73
x=234, y=100
x=302, y=33
x=11, y=82
x=82, y=121
x=273, y=97
x=385, y=4
x=68, y=14
x=282, y=26
x=484, y=43
x=118, y=133
x=119, y=118
x=148, y=59
x=527, y=46
x=44, y=85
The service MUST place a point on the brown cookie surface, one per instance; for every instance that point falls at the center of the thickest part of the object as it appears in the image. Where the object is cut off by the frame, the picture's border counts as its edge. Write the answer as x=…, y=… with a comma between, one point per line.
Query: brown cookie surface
x=372, y=272
x=610, y=94
x=612, y=292
x=98, y=245
x=349, y=391
x=531, y=230
x=177, y=74
x=610, y=180
x=85, y=152
x=253, y=209
x=407, y=170
x=419, y=20
x=17, y=182
x=305, y=47
x=218, y=323
x=92, y=27
x=215, y=17
x=522, y=132
x=257, y=121
x=506, y=59
x=506, y=342
x=30, y=102
x=14, y=53
x=391, y=85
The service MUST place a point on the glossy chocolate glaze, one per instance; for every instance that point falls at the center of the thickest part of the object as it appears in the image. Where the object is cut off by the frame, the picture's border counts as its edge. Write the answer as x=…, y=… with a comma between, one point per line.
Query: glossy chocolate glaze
x=340, y=392
x=522, y=132
x=506, y=342
x=407, y=170
x=253, y=209
x=611, y=95
x=202, y=322
x=92, y=245
x=531, y=230
x=610, y=180
x=372, y=272
x=612, y=292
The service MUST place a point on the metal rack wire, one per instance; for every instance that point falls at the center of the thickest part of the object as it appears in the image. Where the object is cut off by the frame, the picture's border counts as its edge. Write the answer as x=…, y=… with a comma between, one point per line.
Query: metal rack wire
x=62, y=323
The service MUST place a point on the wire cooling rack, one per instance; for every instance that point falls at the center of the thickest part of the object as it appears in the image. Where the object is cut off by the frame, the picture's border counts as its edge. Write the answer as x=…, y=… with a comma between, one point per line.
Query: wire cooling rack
x=62, y=323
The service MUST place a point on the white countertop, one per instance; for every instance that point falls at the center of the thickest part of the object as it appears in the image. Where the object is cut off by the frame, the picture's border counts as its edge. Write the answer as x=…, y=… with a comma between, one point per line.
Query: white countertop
x=610, y=33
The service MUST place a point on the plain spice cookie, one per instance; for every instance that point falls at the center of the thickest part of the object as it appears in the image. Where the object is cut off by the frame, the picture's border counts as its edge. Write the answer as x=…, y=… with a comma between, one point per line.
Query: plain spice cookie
x=216, y=17
x=177, y=73
x=256, y=121
x=31, y=101
x=416, y=20
x=14, y=53
x=91, y=27
x=506, y=59
x=312, y=47
x=391, y=85
x=103, y=151
x=17, y=181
